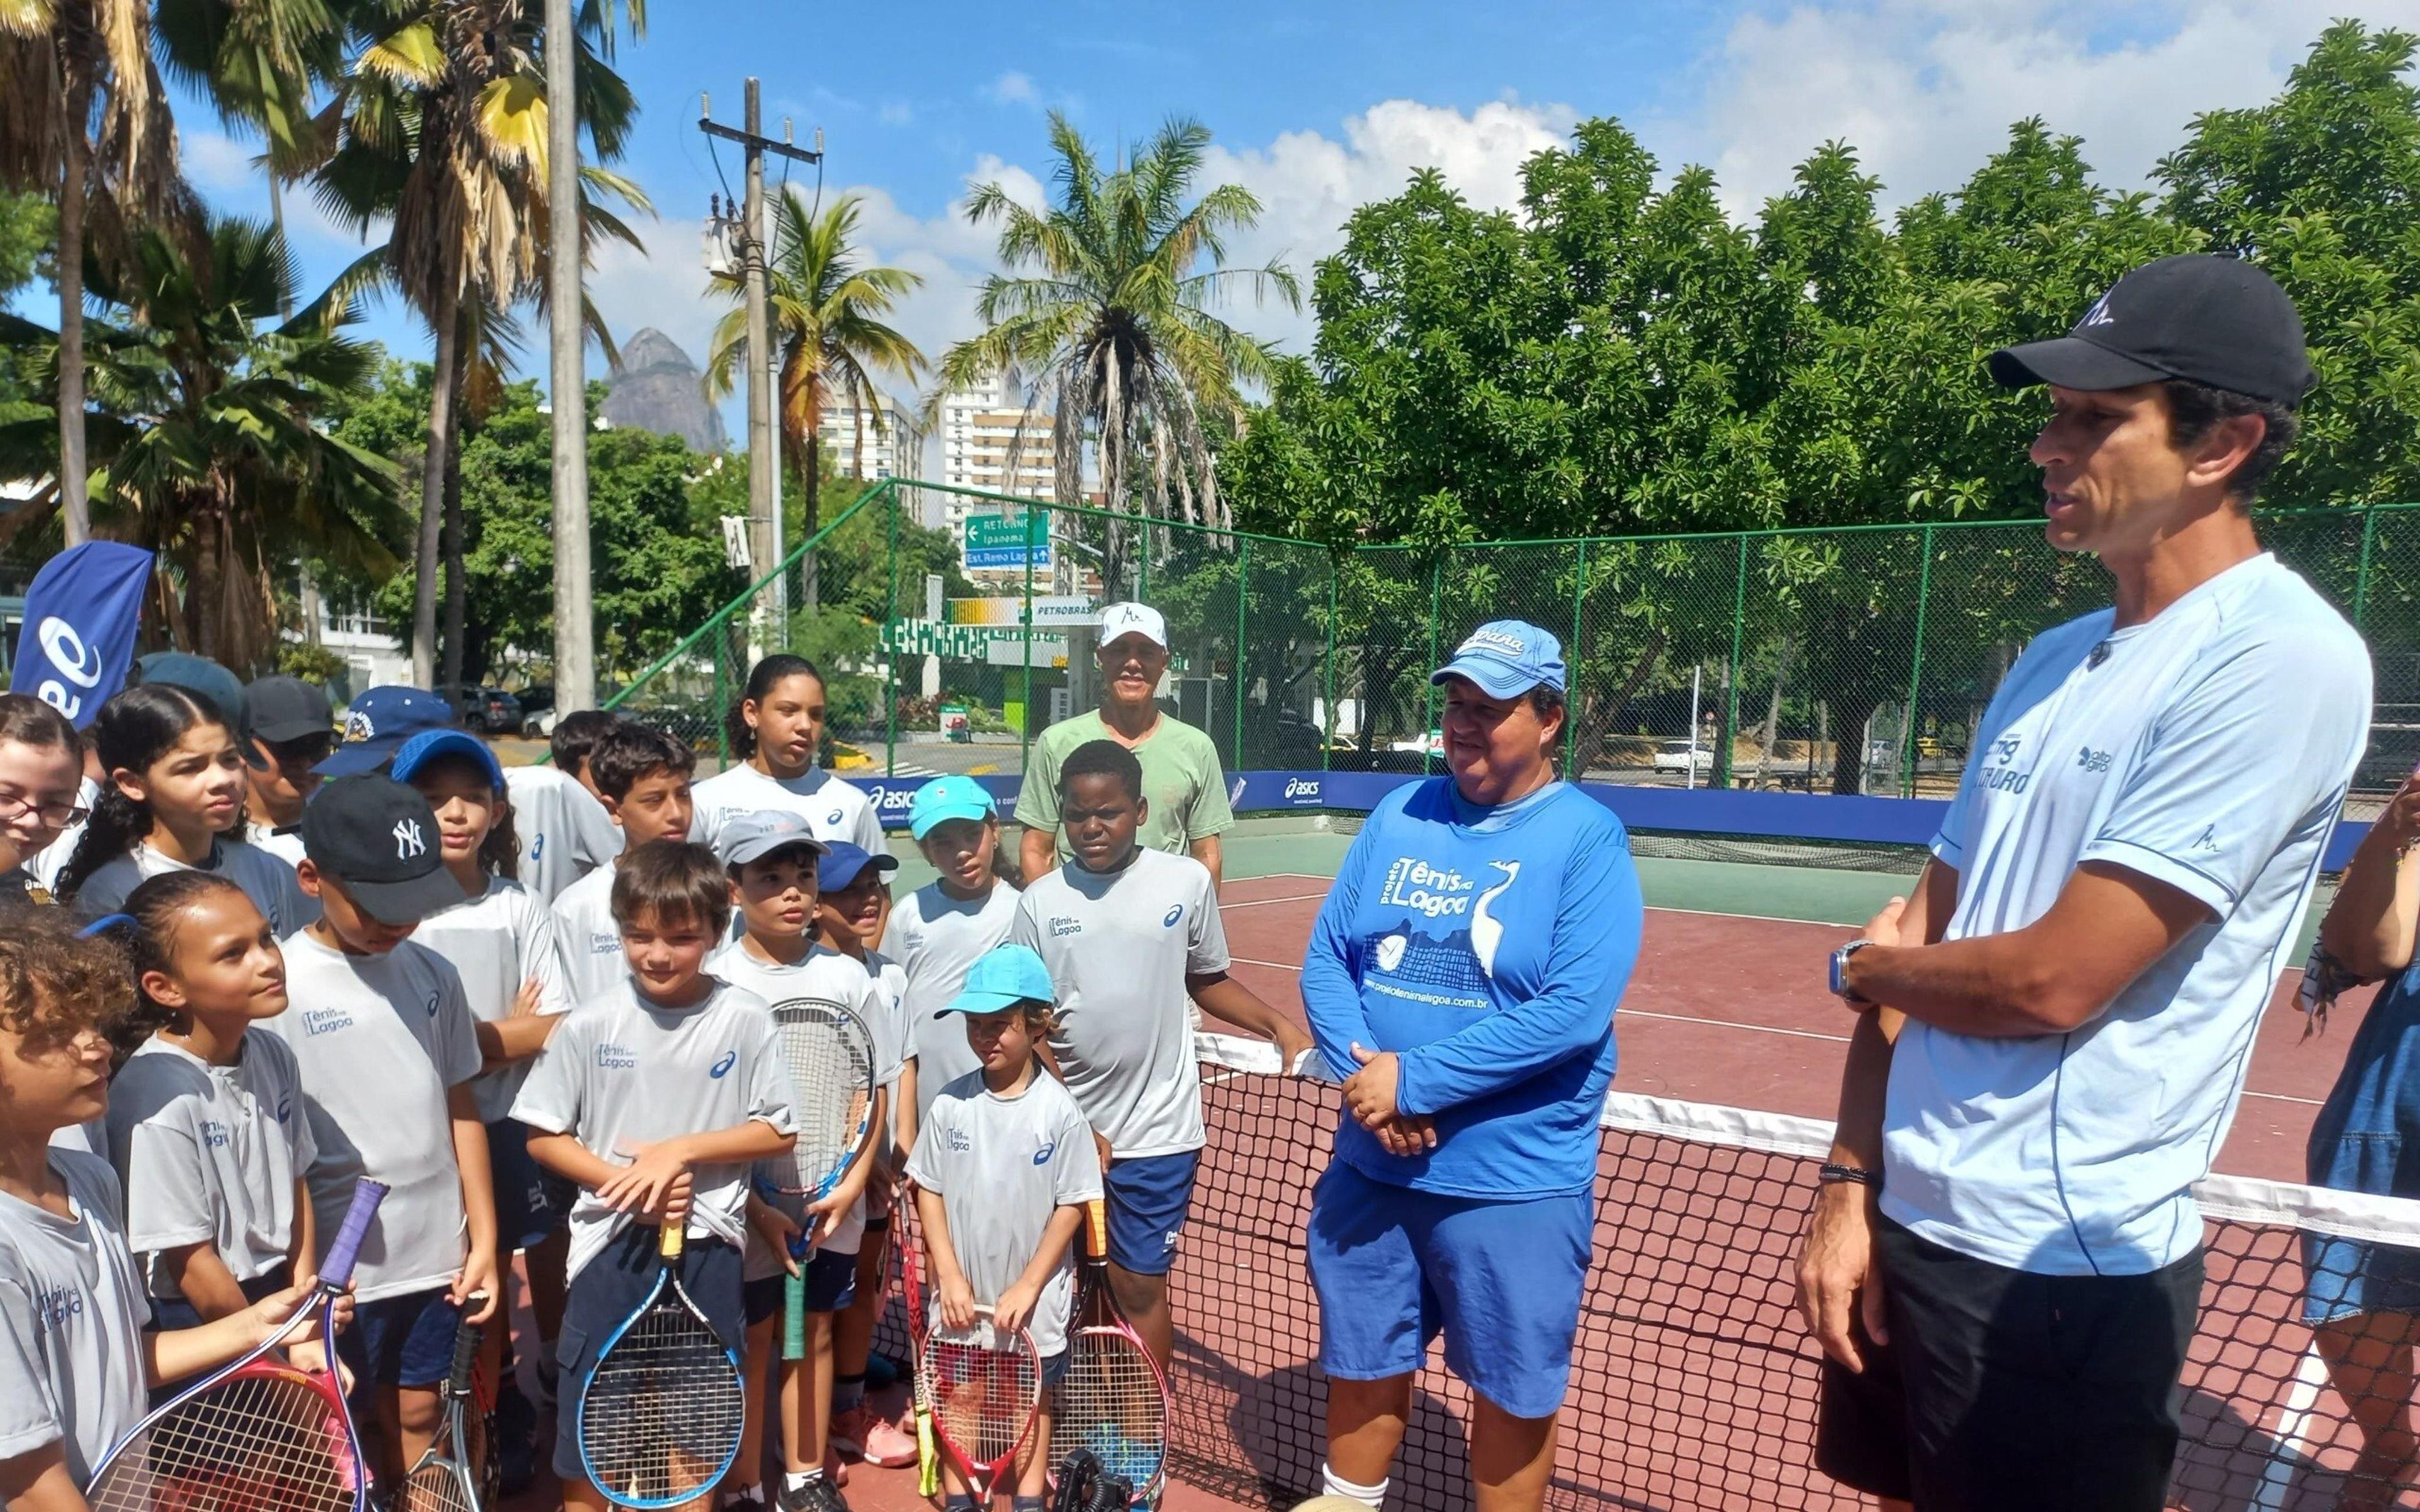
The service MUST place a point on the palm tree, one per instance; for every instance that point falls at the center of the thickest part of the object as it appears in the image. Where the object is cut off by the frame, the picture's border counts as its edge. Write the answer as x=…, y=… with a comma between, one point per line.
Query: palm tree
x=1108, y=304
x=826, y=313
x=207, y=430
x=84, y=119
x=443, y=129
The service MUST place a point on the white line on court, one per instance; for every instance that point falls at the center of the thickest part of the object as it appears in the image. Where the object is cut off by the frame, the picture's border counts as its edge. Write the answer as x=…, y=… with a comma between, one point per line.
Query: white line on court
x=1259, y=903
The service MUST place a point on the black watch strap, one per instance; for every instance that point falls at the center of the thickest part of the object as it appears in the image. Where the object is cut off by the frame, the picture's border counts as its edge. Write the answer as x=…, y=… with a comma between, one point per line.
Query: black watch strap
x=1832, y=1175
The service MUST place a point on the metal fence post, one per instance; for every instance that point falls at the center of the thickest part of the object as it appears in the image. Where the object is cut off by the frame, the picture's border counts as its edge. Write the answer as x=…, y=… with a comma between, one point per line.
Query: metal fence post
x=1025, y=719
x=722, y=699
x=1236, y=694
x=2361, y=576
x=1915, y=673
x=1436, y=612
x=1327, y=725
x=1731, y=669
x=890, y=661
x=1572, y=668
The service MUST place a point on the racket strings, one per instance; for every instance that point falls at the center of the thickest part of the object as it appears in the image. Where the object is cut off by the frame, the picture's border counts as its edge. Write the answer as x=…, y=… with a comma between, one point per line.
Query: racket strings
x=831, y=1076
x=1111, y=1402
x=435, y=1488
x=983, y=1392
x=270, y=1441
x=661, y=1415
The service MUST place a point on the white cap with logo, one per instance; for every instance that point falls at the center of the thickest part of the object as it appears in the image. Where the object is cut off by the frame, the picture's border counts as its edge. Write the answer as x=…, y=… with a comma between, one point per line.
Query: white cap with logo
x=1134, y=619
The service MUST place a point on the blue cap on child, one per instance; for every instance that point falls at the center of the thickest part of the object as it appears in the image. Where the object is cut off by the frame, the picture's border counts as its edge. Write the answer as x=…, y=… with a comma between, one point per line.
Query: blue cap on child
x=945, y=799
x=1002, y=979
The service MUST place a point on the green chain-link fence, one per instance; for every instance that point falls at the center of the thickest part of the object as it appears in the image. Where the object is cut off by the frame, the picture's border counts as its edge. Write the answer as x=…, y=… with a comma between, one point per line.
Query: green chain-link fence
x=956, y=625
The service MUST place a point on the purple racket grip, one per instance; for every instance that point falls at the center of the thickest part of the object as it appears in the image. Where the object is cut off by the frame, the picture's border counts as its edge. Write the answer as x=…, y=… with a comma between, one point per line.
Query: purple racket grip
x=337, y=1272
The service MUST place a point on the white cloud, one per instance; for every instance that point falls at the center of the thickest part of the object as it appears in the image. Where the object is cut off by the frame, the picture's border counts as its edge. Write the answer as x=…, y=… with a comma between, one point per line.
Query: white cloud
x=895, y=111
x=1013, y=88
x=218, y=164
x=1925, y=89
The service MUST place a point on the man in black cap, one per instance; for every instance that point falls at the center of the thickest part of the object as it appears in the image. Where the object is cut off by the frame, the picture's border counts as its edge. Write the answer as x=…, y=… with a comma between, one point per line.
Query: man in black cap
x=2051, y=1033
x=292, y=731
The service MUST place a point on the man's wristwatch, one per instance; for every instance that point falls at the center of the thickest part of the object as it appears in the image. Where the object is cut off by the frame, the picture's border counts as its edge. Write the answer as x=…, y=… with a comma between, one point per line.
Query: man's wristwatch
x=1840, y=974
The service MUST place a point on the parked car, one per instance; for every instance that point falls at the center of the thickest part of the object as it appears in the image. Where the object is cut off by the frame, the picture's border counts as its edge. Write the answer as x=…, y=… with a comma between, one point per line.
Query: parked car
x=537, y=711
x=491, y=710
x=1679, y=756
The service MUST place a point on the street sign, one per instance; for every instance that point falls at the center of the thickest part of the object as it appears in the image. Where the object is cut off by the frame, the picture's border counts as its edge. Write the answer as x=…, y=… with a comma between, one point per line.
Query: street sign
x=995, y=541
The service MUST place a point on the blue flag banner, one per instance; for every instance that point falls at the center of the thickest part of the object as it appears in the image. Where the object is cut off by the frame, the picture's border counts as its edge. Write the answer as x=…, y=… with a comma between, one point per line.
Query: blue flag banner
x=78, y=639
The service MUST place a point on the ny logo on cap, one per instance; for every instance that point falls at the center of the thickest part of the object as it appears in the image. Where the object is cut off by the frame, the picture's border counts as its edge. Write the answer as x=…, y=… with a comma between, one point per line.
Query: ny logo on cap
x=408, y=842
x=2098, y=315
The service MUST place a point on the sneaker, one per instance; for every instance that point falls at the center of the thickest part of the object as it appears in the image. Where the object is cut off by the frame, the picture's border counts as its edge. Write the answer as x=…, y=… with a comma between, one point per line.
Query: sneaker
x=817, y=1496
x=847, y=1433
x=887, y=1446
x=742, y=1498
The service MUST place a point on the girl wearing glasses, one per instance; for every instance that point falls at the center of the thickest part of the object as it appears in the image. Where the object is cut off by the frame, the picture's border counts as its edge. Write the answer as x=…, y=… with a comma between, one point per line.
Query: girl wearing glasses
x=42, y=769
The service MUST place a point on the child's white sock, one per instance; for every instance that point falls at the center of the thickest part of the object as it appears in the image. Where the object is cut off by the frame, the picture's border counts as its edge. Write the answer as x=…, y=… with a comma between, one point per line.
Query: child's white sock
x=1336, y=1485
x=798, y=1480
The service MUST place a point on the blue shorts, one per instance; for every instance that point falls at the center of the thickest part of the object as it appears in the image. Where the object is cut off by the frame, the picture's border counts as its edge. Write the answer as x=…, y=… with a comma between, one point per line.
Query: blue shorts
x=1147, y=1200
x=401, y=1341
x=609, y=1288
x=1502, y=1280
x=171, y=1313
x=531, y=1202
x=831, y=1285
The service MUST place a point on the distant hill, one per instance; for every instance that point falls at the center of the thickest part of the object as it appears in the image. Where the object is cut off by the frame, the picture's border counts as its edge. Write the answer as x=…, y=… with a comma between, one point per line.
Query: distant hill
x=657, y=388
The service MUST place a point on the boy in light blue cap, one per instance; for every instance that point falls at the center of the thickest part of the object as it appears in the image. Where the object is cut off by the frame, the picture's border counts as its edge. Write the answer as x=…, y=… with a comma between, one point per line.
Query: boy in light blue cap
x=1001, y=1181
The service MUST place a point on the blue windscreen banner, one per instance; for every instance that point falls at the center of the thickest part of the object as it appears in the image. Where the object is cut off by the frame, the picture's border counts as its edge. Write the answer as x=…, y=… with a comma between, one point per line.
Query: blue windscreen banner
x=81, y=615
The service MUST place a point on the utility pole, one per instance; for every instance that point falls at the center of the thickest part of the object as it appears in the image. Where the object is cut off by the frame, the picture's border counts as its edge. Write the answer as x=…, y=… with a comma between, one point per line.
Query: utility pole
x=575, y=614
x=764, y=489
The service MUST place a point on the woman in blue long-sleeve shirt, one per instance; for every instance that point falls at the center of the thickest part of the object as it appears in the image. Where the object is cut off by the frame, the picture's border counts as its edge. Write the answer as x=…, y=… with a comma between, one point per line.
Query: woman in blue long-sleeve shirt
x=1462, y=975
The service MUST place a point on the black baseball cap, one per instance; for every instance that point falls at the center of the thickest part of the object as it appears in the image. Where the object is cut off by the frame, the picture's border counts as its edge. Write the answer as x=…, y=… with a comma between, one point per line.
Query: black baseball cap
x=287, y=708
x=2218, y=321
x=378, y=838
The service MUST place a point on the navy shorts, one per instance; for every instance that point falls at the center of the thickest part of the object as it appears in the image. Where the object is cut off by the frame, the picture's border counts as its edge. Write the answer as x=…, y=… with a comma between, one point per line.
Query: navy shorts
x=171, y=1313
x=831, y=1285
x=1502, y=1280
x=401, y=1341
x=531, y=1202
x=1147, y=1200
x=609, y=1288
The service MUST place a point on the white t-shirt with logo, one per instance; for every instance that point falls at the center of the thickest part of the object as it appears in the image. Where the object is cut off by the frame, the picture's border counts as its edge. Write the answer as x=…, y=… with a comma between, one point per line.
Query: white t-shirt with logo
x=1119, y=946
x=1003, y=1165
x=2209, y=749
x=936, y=938
x=269, y=882
x=209, y=1153
x=495, y=942
x=71, y=1316
x=589, y=940
x=286, y=844
x=826, y=974
x=564, y=832
x=379, y=1039
x=834, y=809
x=622, y=1072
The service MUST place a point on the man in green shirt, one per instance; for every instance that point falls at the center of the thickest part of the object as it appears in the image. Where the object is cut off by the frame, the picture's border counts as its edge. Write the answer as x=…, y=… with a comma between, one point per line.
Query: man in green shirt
x=1184, y=786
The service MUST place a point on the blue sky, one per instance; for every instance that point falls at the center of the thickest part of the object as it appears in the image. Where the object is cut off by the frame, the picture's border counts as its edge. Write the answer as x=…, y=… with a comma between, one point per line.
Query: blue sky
x=1318, y=105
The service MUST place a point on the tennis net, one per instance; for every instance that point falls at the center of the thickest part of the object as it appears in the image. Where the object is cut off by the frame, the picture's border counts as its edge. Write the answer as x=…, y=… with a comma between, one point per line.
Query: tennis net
x=1694, y=1384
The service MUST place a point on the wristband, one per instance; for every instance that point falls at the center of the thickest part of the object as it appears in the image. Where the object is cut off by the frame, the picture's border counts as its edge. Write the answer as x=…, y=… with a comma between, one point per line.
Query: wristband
x=1829, y=1174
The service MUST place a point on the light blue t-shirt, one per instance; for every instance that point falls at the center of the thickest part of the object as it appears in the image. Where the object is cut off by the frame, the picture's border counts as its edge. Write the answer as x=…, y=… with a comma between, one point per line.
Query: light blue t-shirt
x=2209, y=749
x=1487, y=947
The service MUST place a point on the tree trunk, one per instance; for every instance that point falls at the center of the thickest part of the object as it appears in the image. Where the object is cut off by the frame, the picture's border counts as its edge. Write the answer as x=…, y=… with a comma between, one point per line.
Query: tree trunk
x=456, y=582
x=1596, y=724
x=75, y=504
x=1849, y=745
x=206, y=595
x=446, y=320
x=812, y=466
x=1773, y=712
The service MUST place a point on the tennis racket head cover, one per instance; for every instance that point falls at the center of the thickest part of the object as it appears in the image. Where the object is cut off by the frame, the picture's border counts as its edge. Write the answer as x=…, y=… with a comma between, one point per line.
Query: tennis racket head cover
x=1113, y=1400
x=660, y=1416
x=260, y=1436
x=984, y=1383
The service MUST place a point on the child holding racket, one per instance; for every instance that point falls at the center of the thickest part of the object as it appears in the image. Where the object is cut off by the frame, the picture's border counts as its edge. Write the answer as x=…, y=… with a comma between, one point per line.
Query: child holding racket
x=206, y=1122
x=940, y=929
x=1002, y=1172
x=642, y=776
x=772, y=858
x=388, y=1049
x=74, y=1356
x=1130, y=935
x=656, y=1098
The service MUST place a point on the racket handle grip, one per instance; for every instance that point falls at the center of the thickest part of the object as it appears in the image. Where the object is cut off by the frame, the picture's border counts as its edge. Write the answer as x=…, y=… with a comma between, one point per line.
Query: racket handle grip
x=337, y=1271
x=465, y=1351
x=1097, y=1229
x=794, y=1315
x=670, y=1238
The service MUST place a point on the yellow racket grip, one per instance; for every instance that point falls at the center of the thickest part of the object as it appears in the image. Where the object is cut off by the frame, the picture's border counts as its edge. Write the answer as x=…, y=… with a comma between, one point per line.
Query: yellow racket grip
x=1097, y=1229
x=928, y=1458
x=669, y=1245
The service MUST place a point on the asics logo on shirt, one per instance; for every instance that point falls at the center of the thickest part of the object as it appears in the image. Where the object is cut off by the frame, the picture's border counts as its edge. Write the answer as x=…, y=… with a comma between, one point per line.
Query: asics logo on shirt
x=537, y=846
x=57, y=1305
x=285, y=1108
x=1063, y=926
x=1168, y=920
x=611, y=1056
x=723, y=1068
x=433, y=999
x=959, y=1141
x=832, y=818
x=214, y=1135
x=326, y=1020
x=1042, y=1156
x=408, y=842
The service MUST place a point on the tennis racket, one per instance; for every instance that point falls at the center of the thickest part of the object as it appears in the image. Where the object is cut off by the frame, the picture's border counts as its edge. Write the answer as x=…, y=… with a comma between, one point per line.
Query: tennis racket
x=1115, y=1399
x=446, y=1479
x=260, y=1436
x=905, y=1245
x=660, y=1419
x=985, y=1384
x=829, y=1053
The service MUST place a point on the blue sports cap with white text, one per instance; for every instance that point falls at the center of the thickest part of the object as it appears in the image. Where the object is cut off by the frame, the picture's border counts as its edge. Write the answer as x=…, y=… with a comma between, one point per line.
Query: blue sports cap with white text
x=945, y=799
x=1001, y=979
x=1505, y=658
x=429, y=744
x=843, y=863
x=757, y=834
x=379, y=723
